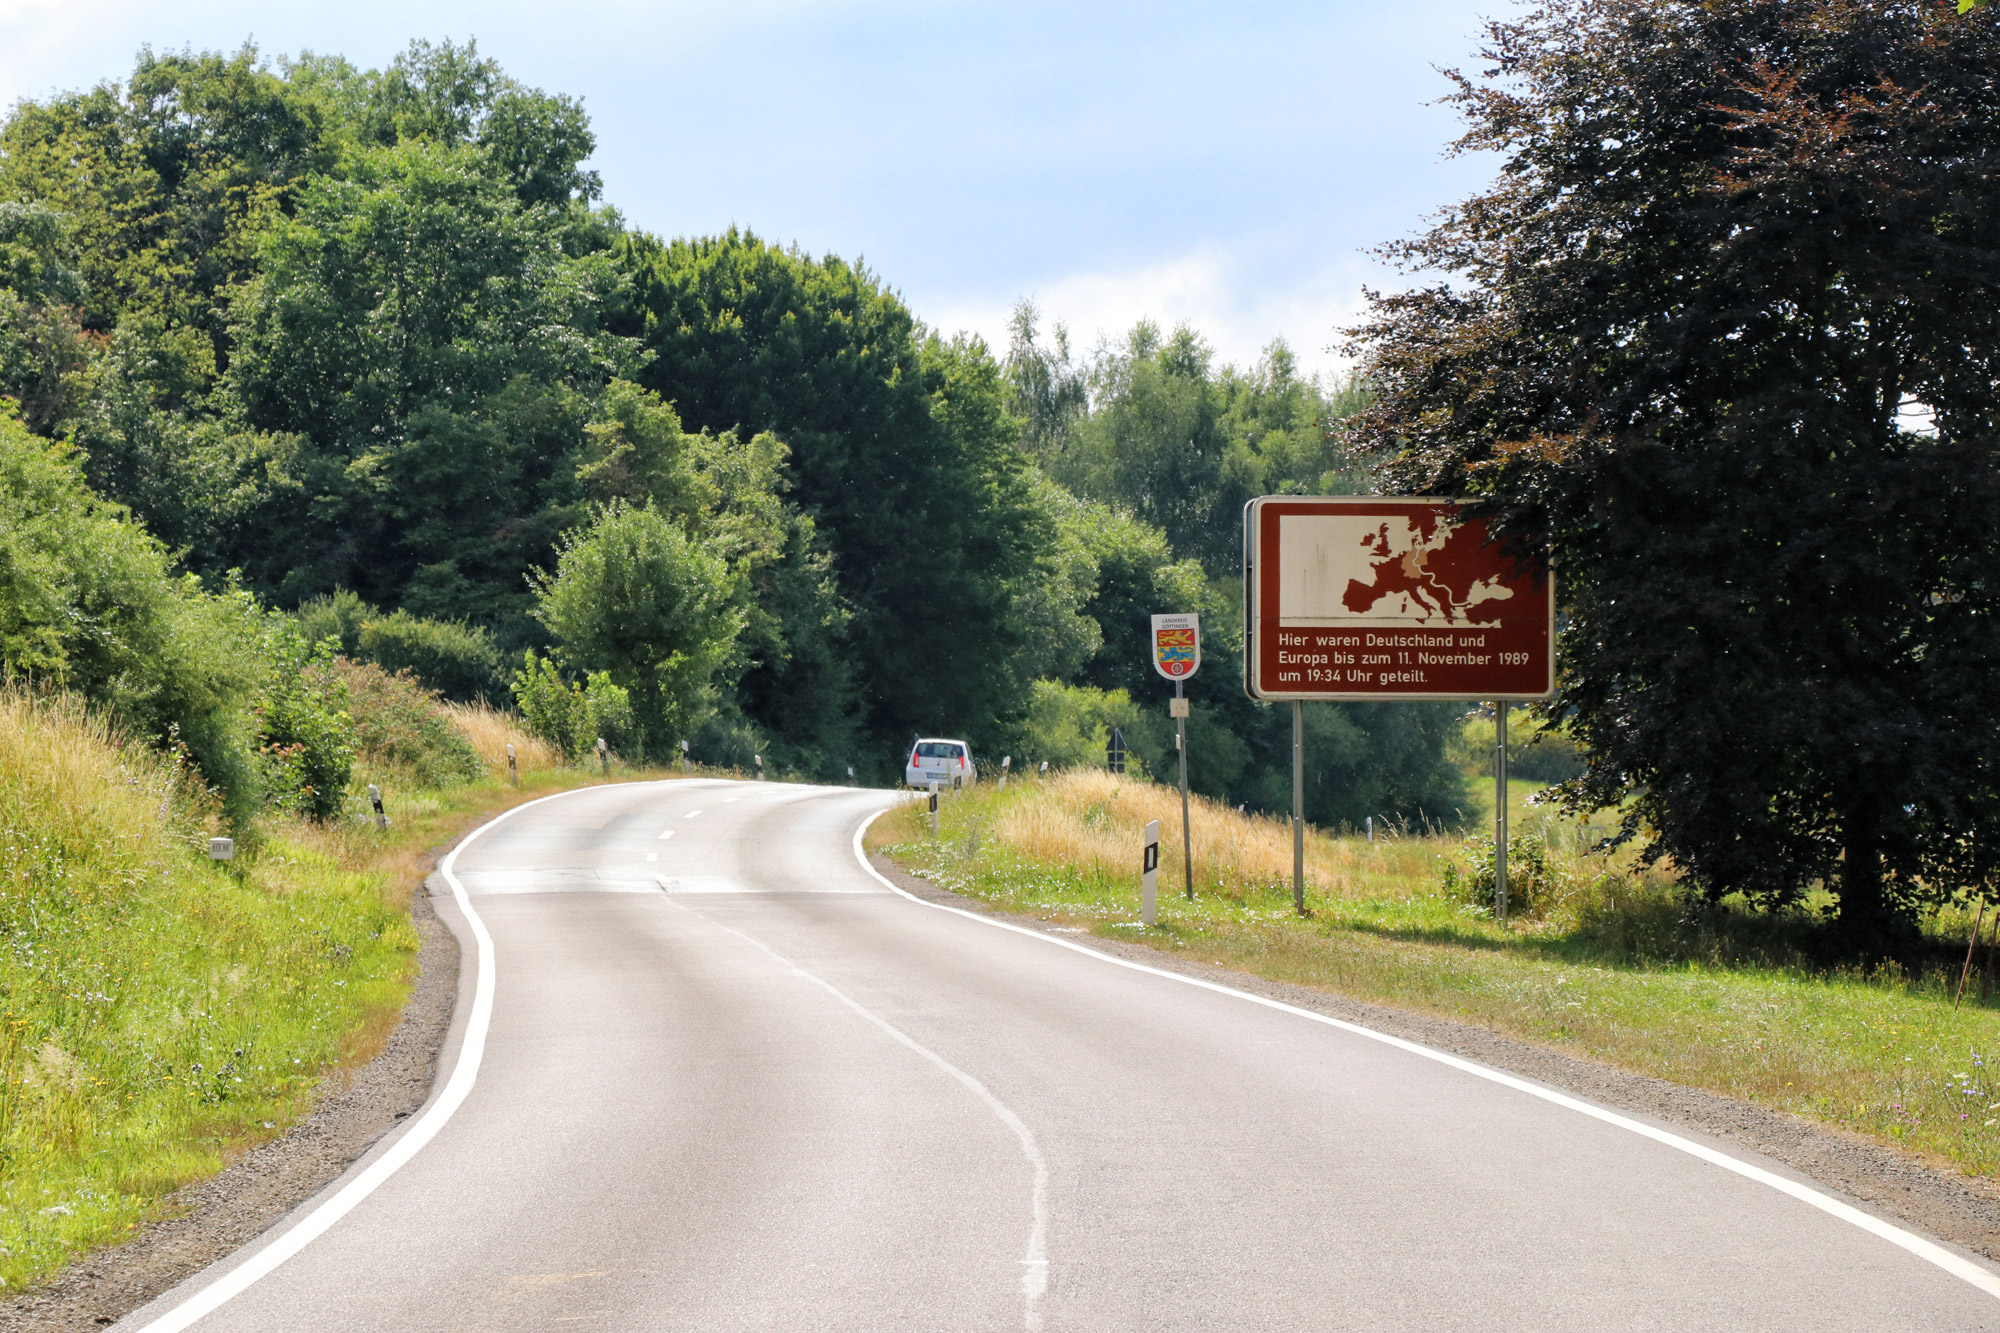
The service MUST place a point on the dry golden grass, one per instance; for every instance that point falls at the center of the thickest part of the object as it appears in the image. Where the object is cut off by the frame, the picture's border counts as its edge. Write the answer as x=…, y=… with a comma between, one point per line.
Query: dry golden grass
x=1090, y=820
x=491, y=731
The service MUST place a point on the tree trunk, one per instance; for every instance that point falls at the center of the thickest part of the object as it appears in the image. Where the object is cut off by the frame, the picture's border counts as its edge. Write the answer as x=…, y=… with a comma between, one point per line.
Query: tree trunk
x=1864, y=921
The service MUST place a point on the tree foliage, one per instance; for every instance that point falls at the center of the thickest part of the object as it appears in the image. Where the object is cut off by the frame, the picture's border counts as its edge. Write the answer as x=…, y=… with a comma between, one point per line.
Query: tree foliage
x=1729, y=248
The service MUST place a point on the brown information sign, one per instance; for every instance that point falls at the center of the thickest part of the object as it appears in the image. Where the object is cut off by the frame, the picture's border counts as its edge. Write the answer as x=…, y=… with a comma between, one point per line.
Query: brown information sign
x=1366, y=597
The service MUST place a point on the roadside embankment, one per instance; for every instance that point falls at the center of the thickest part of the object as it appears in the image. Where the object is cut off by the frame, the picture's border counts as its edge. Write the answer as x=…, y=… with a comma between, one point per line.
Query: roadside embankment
x=1606, y=962
x=161, y=1013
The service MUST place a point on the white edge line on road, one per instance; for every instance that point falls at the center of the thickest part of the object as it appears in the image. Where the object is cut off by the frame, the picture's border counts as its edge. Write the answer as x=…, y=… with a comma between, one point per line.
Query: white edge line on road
x=316, y=1223
x=1956, y=1265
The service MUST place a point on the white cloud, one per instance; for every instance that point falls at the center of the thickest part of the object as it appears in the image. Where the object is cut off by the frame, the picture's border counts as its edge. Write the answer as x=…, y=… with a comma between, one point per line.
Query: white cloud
x=1211, y=289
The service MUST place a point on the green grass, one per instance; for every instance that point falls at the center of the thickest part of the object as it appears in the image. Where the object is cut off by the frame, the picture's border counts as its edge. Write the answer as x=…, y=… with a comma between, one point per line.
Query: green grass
x=161, y=1013
x=1609, y=963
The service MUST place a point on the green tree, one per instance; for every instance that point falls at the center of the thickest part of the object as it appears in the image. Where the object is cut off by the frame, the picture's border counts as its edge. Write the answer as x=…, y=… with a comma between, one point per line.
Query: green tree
x=901, y=453
x=431, y=340
x=89, y=602
x=635, y=597
x=1730, y=243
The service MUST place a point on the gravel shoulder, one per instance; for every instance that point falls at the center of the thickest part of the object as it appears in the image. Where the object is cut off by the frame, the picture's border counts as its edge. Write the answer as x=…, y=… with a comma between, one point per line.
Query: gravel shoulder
x=213, y=1218
x=1943, y=1204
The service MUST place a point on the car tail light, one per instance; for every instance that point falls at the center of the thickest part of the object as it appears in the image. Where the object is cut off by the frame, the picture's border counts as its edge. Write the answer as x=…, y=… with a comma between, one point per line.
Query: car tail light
x=961, y=761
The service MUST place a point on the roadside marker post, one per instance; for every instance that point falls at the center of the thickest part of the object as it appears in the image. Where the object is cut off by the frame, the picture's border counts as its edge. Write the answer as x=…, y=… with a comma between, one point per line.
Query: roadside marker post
x=1177, y=656
x=375, y=800
x=1149, y=875
x=513, y=771
x=934, y=808
x=760, y=766
x=684, y=759
x=1373, y=598
x=1006, y=762
x=603, y=756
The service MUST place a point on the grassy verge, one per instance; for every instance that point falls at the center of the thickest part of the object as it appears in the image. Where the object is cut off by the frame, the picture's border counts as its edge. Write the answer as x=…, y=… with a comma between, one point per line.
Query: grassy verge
x=161, y=1013
x=1607, y=963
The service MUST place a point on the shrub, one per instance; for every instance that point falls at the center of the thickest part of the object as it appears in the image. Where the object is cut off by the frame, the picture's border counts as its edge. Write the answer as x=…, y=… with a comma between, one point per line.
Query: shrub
x=338, y=617
x=1070, y=726
x=306, y=750
x=88, y=600
x=400, y=726
x=1533, y=879
x=572, y=715
x=457, y=660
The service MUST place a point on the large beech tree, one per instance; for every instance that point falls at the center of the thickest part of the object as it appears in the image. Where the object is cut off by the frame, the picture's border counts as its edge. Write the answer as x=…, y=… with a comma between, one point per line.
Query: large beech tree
x=1727, y=330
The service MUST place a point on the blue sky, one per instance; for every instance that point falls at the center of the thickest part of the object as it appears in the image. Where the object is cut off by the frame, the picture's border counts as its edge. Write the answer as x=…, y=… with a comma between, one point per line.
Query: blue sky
x=1225, y=165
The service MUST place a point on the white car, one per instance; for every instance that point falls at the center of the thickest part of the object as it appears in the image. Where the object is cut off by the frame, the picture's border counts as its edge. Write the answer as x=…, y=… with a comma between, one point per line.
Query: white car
x=941, y=760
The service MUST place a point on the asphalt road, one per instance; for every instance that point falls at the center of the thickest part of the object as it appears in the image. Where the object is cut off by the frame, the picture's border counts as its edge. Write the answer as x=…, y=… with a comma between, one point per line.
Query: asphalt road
x=733, y=1081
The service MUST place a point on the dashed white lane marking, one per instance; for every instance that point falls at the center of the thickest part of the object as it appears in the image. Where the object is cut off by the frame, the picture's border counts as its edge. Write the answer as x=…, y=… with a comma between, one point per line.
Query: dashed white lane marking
x=1930, y=1252
x=690, y=814
x=1035, y=1267
x=727, y=799
x=668, y=834
x=652, y=856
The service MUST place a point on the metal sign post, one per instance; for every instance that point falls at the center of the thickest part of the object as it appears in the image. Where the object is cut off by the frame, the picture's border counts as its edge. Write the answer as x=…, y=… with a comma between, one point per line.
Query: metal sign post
x=1500, y=809
x=1177, y=656
x=1149, y=874
x=1298, y=807
x=1367, y=598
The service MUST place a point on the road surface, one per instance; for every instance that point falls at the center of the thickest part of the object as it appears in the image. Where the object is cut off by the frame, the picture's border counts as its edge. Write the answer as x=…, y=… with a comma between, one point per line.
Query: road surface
x=728, y=1079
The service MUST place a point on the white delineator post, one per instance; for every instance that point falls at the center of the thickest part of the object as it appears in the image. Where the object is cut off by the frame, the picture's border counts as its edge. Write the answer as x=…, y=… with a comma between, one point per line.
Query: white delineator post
x=1006, y=762
x=1149, y=875
x=934, y=808
x=513, y=772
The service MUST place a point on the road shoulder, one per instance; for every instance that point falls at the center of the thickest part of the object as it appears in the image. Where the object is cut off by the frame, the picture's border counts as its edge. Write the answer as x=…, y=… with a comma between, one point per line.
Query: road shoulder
x=216, y=1217
x=1941, y=1203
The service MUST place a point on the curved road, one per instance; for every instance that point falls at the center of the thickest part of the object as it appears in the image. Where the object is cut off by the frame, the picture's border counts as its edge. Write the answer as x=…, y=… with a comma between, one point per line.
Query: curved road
x=732, y=1080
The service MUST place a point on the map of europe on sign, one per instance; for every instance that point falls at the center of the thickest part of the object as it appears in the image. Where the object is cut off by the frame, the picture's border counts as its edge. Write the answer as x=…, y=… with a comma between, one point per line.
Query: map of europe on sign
x=1418, y=568
x=1354, y=597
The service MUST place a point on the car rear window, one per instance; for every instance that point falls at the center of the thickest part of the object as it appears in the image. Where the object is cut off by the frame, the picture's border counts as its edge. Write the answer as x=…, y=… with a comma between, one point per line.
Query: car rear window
x=939, y=750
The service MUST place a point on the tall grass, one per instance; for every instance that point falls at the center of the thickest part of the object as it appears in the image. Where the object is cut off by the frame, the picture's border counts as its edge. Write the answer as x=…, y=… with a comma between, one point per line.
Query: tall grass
x=155, y=1006
x=491, y=731
x=1607, y=959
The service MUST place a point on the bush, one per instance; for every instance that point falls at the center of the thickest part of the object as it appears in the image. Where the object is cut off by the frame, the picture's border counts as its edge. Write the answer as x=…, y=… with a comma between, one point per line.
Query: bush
x=88, y=600
x=338, y=617
x=457, y=660
x=306, y=734
x=401, y=727
x=1070, y=726
x=1533, y=881
x=1536, y=752
x=573, y=715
